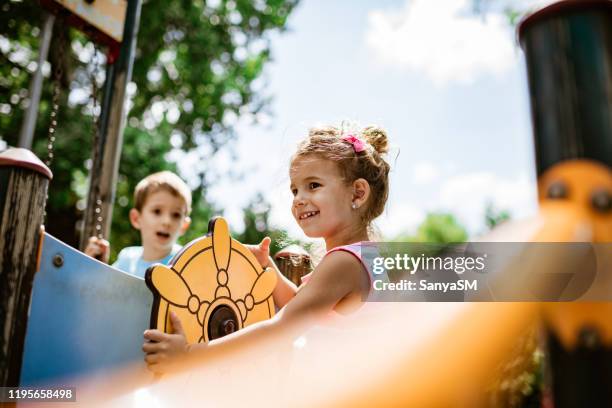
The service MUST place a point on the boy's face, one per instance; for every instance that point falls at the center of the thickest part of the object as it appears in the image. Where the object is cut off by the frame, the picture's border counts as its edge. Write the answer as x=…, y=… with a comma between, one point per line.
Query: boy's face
x=161, y=222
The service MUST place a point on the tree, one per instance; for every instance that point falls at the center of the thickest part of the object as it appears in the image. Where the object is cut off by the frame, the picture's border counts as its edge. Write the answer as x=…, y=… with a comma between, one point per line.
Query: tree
x=437, y=228
x=198, y=67
x=510, y=8
x=494, y=216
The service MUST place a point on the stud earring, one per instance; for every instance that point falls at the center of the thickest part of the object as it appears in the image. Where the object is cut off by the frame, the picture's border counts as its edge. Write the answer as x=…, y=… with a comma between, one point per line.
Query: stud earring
x=354, y=206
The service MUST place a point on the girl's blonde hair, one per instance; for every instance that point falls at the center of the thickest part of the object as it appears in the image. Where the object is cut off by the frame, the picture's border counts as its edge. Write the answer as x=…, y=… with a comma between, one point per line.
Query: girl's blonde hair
x=328, y=142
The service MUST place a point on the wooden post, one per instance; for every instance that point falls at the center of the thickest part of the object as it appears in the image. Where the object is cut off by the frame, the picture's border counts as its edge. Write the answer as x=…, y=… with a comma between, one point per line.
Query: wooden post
x=568, y=51
x=24, y=180
x=294, y=263
x=105, y=165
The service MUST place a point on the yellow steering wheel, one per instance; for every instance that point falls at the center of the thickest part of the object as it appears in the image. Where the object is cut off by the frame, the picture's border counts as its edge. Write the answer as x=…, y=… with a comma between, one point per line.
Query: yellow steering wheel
x=215, y=285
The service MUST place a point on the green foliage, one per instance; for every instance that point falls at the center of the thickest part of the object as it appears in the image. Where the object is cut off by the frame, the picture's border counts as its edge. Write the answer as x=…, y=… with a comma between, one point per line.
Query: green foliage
x=196, y=70
x=512, y=10
x=513, y=16
x=442, y=228
x=437, y=228
x=494, y=217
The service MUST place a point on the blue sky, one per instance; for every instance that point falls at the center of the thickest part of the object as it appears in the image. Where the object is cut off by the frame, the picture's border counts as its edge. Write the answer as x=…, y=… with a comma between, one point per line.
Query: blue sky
x=449, y=86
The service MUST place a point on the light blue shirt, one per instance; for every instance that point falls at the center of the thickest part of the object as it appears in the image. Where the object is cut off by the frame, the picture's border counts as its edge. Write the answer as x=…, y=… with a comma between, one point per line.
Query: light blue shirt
x=130, y=260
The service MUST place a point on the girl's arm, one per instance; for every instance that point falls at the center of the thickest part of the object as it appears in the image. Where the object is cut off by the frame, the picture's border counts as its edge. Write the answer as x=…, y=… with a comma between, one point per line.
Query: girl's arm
x=284, y=290
x=339, y=278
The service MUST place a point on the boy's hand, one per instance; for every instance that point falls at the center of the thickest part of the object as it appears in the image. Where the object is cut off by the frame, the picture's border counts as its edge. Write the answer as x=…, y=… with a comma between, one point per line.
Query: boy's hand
x=98, y=248
x=162, y=348
x=262, y=251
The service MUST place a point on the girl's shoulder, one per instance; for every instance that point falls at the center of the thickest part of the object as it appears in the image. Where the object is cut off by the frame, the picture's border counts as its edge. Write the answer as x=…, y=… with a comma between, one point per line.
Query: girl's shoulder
x=353, y=254
x=357, y=249
x=363, y=251
x=340, y=256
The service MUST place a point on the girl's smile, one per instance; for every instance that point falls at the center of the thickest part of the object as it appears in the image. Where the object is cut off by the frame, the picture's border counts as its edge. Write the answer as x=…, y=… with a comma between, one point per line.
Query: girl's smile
x=307, y=215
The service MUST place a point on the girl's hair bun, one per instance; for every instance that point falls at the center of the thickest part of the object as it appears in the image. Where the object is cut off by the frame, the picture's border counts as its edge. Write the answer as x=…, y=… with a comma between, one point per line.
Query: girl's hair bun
x=354, y=162
x=377, y=138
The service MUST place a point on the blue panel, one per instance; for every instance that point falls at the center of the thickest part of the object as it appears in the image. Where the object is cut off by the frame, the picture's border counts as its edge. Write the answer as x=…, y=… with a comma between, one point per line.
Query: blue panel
x=85, y=317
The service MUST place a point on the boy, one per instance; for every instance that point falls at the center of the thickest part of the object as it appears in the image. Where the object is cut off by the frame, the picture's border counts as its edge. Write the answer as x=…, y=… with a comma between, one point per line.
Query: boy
x=162, y=203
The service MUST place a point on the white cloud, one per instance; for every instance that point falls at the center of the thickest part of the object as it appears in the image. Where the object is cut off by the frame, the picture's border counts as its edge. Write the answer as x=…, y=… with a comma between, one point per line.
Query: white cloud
x=424, y=173
x=442, y=40
x=399, y=218
x=467, y=195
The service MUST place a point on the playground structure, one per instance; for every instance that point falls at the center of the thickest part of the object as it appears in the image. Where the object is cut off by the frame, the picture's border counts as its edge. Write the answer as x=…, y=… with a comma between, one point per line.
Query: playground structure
x=23, y=188
x=445, y=355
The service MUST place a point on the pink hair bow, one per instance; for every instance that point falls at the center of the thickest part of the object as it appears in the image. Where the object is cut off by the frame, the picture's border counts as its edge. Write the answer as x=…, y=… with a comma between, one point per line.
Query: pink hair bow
x=358, y=144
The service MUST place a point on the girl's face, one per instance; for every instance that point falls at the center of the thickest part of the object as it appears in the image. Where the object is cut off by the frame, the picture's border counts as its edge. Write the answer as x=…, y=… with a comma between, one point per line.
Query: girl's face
x=321, y=198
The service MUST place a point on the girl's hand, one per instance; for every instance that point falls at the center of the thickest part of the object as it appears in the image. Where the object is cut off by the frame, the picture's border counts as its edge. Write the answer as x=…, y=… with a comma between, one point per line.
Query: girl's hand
x=98, y=248
x=161, y=349
x=262, y=251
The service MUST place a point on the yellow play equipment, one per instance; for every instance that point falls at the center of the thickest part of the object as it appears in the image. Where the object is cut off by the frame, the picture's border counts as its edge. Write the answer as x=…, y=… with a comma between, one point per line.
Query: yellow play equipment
x=211, y=302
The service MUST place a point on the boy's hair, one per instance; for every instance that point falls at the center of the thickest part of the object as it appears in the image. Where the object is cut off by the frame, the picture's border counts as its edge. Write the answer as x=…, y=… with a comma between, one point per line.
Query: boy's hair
x=163, y=180
x=369, y=164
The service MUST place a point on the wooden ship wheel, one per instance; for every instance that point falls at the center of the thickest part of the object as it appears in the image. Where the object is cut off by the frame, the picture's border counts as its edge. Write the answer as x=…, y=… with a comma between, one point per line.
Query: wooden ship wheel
x=215, y=285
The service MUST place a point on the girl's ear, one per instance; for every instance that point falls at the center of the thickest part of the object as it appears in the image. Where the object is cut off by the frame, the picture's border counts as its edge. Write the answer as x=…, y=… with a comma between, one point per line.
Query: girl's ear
x=186, y=223
x=135, y=218
x=361, y=192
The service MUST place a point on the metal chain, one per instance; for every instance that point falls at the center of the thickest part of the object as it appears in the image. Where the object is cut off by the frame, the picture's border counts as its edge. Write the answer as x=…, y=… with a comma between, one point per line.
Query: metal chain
x=96, y=144
x=51, y=135
x=57, y=85
x=57, y=89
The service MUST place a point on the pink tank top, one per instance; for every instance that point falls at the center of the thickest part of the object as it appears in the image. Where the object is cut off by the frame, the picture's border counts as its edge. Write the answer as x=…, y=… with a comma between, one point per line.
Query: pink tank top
x=353, y=249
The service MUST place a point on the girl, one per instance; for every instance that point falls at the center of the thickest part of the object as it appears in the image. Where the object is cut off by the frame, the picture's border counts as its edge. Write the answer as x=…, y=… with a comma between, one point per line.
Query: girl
x=339, y=182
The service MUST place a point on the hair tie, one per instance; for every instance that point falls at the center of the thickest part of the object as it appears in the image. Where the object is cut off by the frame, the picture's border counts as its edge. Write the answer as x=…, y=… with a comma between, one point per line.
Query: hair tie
x=358, y=144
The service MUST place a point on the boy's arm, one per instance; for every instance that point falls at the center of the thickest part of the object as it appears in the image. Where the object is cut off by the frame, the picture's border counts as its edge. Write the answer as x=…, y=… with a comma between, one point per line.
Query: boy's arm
x=98, y=248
